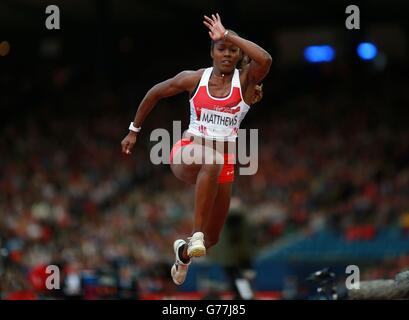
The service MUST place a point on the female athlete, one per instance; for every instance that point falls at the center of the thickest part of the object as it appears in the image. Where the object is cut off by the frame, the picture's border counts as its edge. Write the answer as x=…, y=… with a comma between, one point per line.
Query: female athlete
x=220, y=95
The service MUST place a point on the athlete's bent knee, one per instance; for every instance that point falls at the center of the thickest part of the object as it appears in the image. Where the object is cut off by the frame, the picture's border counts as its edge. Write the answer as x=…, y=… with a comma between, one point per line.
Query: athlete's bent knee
x=187, y=176
x=212, y=169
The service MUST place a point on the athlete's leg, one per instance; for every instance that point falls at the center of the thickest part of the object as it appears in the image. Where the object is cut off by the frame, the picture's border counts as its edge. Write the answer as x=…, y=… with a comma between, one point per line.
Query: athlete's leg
x=213, y=225
x=204, y=172
x=185, y=172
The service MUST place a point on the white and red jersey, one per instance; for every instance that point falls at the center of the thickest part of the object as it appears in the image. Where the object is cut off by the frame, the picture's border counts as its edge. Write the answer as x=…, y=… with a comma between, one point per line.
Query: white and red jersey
x=217, y=118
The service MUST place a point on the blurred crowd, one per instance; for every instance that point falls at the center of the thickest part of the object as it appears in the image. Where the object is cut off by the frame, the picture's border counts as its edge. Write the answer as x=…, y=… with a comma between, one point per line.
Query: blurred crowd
x=335, y=155
x=337, y=158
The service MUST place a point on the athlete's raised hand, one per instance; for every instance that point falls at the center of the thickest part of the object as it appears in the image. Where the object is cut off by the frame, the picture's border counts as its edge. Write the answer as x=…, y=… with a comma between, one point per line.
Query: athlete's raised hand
x=128, y=143
x=215, y=26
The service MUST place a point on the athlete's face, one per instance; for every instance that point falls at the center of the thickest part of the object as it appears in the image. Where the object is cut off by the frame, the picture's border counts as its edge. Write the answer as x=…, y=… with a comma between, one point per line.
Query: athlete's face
x=225, y=56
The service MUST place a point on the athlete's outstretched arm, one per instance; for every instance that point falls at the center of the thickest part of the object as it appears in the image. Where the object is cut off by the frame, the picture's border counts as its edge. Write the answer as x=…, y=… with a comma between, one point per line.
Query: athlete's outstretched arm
x=260, y=59
x=184, y=81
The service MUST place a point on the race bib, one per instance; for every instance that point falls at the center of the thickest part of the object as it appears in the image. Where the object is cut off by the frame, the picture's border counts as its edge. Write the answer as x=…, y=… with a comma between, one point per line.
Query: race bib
x=218, y=123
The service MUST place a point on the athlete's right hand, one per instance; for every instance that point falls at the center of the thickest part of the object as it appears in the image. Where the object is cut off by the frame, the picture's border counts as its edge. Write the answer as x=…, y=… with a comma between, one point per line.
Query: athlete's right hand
x=128, y=142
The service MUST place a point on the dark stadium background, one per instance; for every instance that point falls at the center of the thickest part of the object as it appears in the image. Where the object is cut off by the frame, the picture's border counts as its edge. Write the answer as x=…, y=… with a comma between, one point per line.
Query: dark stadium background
x=332, y=188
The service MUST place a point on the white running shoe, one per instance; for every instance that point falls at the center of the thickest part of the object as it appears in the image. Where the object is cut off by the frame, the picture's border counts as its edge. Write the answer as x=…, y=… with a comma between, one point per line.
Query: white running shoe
x=179, y=269
x=196, y=247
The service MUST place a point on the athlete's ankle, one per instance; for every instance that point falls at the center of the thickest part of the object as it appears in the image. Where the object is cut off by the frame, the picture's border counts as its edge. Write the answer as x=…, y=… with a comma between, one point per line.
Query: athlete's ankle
x=183, y=254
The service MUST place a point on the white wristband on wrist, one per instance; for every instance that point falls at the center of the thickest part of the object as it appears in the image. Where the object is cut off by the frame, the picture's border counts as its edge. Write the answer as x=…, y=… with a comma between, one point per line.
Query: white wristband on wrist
x=133, y=128
x=225, y=34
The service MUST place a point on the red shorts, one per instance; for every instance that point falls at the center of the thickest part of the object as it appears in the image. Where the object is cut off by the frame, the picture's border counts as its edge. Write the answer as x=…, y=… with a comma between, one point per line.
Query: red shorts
x=227, y=173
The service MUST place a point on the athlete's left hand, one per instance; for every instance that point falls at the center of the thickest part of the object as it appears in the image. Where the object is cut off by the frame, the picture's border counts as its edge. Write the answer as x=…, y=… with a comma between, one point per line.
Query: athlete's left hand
x=258, y=93
x=215, y=26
